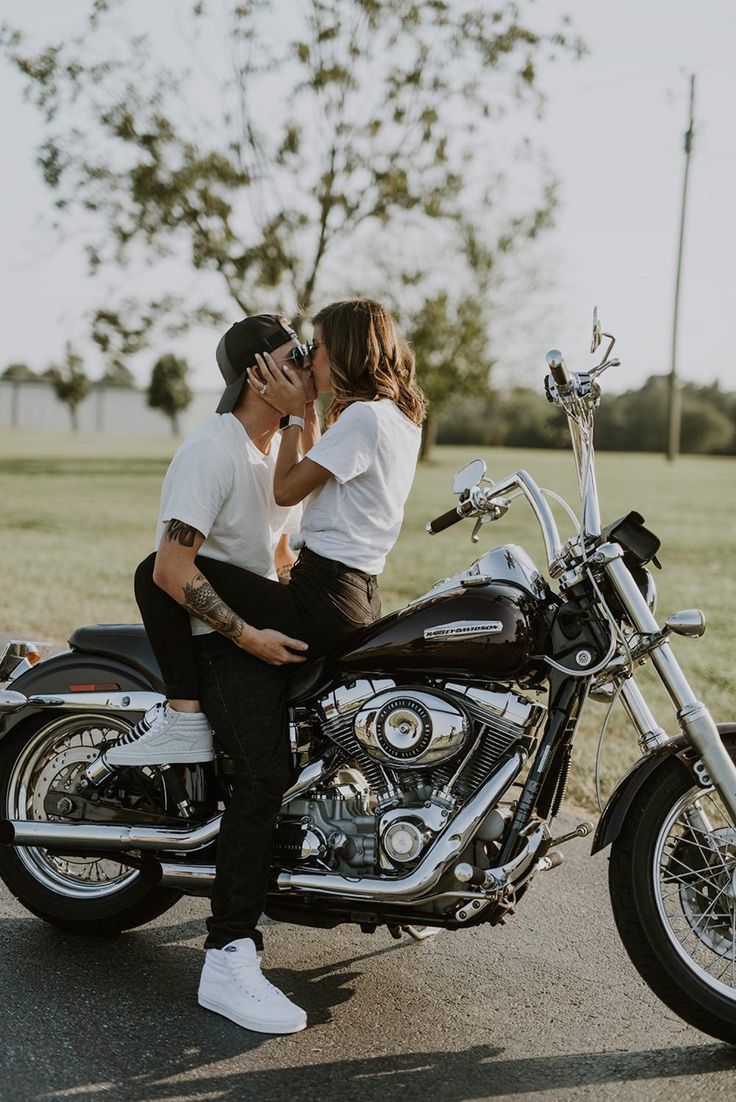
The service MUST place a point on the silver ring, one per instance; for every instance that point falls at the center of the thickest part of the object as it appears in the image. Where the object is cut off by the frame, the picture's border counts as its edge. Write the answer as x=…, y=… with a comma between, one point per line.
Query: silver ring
x=264, y=388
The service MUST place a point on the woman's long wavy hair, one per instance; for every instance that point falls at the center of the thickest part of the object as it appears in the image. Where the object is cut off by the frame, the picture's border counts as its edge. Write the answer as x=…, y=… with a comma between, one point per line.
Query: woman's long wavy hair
x=368, y=358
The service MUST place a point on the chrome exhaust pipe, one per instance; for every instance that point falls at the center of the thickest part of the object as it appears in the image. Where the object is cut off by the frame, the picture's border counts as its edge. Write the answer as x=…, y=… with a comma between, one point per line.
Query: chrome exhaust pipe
x=190, y=879
x=92, y=836
x=441, y=853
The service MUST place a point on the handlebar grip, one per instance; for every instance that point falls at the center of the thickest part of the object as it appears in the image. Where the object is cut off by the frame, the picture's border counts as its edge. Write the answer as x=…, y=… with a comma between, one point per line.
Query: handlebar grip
x=558, y=367
x=445, y=521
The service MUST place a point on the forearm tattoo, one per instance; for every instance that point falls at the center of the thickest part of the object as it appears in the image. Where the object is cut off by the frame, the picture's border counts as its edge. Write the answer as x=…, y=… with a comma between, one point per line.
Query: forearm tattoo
x=179, y=532
x=202, y=601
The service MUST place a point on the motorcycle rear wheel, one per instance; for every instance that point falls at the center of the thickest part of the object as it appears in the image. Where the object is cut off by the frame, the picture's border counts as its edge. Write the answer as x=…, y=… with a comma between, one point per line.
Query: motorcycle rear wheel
x=86, y=896
x=672, y=878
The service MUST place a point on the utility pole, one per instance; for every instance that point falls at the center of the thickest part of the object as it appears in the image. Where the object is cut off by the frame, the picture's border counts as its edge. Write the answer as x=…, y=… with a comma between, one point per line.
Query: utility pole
x=673, y=441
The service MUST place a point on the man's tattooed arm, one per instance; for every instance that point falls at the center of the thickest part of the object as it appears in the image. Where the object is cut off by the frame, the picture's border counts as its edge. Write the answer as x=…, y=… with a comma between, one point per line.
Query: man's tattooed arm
x=201, y=600
x=179, y=532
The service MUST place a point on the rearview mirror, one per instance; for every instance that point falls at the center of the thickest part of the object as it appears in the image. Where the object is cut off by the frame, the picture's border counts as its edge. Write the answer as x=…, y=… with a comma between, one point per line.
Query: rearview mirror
x=469, y=476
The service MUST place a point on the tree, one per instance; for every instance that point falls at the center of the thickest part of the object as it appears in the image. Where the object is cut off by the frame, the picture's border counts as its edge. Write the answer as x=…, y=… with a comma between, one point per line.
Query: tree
x=17, y=373
x=71, y=383
x=450, y=341
x=379, y=130
x=168, y=389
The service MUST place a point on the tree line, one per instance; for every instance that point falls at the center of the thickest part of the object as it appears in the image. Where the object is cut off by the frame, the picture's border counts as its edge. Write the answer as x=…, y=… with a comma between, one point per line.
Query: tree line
x=634, y=421
x=167, y=390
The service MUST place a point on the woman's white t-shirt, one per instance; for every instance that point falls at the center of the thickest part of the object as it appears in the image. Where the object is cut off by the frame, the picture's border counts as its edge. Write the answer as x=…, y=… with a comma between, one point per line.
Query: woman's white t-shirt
x=355, y=518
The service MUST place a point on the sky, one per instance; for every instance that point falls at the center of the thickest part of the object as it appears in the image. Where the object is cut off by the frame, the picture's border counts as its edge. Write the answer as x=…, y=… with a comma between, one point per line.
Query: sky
x=613, y=132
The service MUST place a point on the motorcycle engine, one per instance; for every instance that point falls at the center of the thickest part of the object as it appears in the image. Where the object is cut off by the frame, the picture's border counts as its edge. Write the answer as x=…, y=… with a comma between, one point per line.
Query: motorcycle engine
x=405, y=758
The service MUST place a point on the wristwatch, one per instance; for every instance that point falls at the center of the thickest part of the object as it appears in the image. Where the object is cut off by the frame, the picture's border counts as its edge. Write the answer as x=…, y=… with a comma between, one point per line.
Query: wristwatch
x=293, y=419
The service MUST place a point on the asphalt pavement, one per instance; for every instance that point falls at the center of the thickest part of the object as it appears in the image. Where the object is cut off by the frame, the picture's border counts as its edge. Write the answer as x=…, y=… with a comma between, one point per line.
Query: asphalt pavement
x=546, y=1007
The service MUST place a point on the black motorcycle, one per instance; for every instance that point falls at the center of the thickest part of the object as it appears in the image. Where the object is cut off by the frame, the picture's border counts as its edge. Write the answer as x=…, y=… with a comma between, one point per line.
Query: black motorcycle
x=431, y=754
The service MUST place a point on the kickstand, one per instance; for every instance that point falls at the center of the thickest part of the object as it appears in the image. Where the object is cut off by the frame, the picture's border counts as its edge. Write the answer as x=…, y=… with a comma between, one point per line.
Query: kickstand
x=421, y=933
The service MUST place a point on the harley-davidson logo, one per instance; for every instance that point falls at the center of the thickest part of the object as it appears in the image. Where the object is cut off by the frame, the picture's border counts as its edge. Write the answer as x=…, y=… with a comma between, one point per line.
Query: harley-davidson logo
x=464, y=629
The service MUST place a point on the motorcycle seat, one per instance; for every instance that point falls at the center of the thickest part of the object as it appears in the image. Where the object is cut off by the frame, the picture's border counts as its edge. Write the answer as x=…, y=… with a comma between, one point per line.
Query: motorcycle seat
x=129, y=643
x=126, y=642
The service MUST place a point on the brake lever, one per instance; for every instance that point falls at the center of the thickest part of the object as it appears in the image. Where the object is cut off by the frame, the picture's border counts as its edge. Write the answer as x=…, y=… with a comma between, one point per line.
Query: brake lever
x=494, y=512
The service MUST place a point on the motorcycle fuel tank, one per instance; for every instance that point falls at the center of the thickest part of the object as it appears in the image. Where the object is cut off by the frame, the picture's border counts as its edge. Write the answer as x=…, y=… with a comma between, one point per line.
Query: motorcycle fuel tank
x=487, y=629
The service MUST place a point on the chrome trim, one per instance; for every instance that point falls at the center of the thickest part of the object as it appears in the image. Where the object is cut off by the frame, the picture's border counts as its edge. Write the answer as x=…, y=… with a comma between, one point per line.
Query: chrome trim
x=11, y=702
x=82, y=836
x=105, y=702
x=440, y=854
x=695, y=720
x=343, y=700
x=689, y=622
x=410, y=728
x=308, y=776
x=508, y=706
x=651, y=735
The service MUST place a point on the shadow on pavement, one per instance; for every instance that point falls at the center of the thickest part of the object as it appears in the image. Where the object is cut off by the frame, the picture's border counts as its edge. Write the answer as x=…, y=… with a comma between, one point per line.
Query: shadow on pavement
x=119, y=1020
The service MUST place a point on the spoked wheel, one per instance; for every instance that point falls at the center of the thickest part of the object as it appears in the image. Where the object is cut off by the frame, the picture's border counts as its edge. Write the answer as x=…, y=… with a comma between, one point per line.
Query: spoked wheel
x=40, y=766
x=672, y=876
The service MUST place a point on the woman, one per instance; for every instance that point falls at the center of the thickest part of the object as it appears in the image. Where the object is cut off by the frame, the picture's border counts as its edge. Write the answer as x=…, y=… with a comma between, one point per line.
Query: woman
x=356, y=478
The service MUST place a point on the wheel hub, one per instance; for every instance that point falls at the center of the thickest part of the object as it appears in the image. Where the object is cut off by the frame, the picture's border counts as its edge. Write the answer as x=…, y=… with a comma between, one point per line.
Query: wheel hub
x=61, y=773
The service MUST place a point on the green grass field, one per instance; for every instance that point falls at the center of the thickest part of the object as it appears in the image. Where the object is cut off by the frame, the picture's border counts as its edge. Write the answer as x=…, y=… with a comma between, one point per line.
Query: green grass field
x=79, y=514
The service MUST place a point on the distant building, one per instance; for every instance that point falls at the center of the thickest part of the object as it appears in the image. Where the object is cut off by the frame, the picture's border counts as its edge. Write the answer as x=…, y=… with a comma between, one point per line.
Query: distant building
x=32, y=404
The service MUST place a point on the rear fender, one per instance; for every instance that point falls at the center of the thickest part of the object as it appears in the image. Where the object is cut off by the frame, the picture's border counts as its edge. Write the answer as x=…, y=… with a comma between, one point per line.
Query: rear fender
x=617, y=808
x=69, y=672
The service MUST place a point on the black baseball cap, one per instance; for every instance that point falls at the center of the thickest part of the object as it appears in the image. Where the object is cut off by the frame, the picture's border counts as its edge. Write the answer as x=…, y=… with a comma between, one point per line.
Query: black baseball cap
x=238, y=347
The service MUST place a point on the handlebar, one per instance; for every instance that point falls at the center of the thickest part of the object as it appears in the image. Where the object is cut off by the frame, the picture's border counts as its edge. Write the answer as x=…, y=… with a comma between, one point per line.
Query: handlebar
x=487, y=501
x=439, y=524
x=558, y=367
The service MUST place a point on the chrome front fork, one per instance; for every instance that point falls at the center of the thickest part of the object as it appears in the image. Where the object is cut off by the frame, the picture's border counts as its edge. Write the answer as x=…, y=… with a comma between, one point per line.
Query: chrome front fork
x=695, y=720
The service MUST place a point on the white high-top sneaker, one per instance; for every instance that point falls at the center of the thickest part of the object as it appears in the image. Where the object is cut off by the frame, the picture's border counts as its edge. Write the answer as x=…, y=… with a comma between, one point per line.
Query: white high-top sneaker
x=233, y=985
x=164, y=736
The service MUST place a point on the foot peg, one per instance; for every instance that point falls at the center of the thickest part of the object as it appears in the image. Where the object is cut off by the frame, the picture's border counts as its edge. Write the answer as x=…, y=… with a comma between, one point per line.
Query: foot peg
x=582, y=830
x=551, y=860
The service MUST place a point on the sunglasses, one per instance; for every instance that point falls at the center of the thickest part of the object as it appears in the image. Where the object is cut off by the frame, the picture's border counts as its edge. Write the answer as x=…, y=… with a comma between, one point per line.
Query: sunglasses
x=300, y=354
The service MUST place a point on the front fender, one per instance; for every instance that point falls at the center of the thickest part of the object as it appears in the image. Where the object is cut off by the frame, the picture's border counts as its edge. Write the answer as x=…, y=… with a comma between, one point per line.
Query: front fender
x=623, y=795
x=72, y=671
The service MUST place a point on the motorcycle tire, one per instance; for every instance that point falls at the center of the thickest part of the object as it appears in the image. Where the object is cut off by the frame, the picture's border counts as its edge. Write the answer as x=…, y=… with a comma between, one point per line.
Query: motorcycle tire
x=35, y=877
x=673, y=897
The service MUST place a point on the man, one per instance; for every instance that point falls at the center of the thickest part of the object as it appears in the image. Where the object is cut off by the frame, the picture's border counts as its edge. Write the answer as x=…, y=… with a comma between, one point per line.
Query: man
x=217, y=501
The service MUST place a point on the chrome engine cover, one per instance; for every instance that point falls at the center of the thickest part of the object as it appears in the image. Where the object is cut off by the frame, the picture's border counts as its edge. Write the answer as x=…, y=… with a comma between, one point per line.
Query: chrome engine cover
x=406, y=728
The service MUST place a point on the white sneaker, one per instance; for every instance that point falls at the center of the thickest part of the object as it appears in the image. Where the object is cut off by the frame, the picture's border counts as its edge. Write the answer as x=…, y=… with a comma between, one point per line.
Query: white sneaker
x=233, y=985
x=164, y=736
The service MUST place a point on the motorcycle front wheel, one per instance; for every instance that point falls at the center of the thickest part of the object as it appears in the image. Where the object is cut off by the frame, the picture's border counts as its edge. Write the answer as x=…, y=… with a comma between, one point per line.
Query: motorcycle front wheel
x=82, y=895
x=672, y=877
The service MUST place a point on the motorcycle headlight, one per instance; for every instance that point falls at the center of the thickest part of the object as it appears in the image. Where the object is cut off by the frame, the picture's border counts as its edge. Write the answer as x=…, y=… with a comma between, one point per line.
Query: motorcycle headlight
x=648, y=589
x=645, y=585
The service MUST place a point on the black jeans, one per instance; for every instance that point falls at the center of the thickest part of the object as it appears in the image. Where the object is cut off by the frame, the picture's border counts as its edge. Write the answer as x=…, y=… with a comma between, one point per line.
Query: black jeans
x=245, y=701
x=323, y=602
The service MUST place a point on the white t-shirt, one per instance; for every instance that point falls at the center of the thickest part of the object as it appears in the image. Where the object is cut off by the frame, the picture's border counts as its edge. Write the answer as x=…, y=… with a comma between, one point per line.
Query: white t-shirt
x=222, y=484
x=356, y=516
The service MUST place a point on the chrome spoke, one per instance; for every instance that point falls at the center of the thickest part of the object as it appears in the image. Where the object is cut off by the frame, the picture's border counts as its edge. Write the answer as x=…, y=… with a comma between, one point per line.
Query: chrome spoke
x=52, y=760
x=695, y=887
